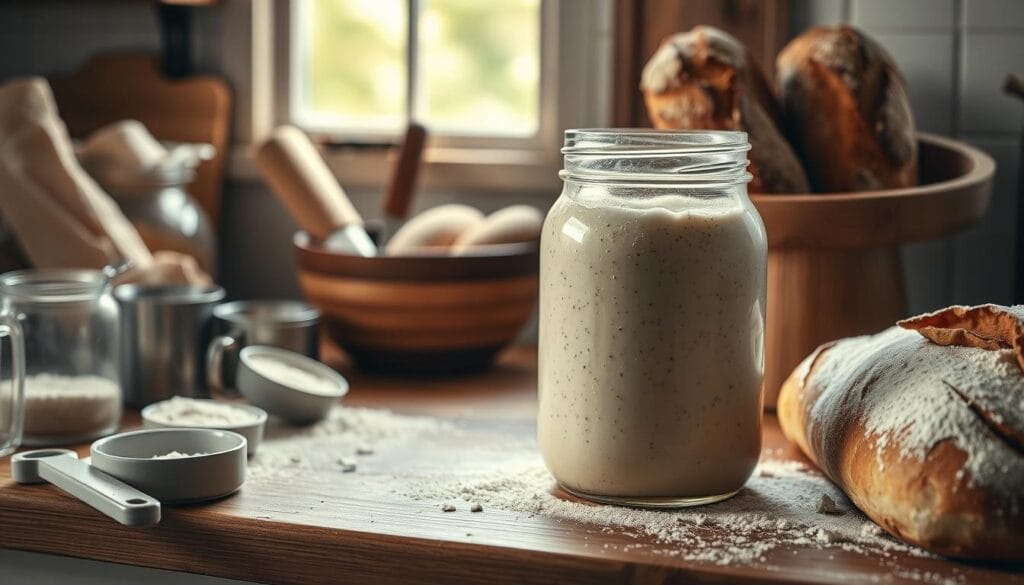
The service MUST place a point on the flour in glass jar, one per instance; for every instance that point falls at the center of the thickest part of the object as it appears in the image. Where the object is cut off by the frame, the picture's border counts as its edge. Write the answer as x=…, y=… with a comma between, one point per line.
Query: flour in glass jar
x=70, y=406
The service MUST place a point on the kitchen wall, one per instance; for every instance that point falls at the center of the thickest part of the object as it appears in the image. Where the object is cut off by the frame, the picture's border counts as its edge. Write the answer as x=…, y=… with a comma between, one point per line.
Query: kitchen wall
x=954, y=54
x=55, y=37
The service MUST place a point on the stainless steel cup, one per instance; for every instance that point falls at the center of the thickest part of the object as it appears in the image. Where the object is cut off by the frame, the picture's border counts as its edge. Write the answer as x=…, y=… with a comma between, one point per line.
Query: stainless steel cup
x=165, y=331
x=291, y=325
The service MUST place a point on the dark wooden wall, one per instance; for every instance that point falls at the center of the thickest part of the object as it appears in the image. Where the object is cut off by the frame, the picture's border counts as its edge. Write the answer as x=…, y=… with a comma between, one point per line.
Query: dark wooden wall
x=641, y=25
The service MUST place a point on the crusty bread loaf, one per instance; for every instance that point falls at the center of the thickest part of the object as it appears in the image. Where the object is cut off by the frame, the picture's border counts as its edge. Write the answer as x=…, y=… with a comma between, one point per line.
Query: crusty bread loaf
x=846, y=111
x=705, y=79
x=927, y=440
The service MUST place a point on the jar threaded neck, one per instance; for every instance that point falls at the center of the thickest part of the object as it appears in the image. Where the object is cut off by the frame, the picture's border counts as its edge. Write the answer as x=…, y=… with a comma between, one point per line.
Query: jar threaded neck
x=690, y=158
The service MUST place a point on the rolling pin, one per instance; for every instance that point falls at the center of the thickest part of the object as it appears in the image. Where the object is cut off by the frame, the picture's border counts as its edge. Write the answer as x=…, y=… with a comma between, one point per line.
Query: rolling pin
x=301, y=180
x=403, y=180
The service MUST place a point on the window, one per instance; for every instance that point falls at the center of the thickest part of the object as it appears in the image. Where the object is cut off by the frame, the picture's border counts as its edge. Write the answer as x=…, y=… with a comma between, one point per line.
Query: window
x=461, y=67
x=495, y=82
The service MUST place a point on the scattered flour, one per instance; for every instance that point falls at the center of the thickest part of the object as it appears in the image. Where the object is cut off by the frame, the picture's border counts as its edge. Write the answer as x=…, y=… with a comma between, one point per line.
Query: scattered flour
x=178, y=455
x=350, y=431
x=777, y=508
x=70, y=406
x=181, y=411
x=286, y=374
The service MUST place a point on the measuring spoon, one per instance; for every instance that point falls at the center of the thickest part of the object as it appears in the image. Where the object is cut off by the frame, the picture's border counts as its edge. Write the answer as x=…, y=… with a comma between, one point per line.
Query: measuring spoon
x=128, y=475
x=63, y=468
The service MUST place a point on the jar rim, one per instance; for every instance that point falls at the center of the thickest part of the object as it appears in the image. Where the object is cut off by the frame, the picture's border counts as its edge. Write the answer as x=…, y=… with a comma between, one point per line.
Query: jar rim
x=696, y=158
x=169, y=294
x=608, y=140
x=53, y=285
x=281, y=313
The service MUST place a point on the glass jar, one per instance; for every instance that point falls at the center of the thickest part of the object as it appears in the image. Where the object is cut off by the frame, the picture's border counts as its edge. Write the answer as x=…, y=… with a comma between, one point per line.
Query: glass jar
x=70, y=325
x=12, y=382
x=652, y=300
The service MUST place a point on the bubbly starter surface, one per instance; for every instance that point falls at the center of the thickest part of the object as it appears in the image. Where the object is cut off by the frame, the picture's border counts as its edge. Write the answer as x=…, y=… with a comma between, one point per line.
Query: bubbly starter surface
x=651, y=345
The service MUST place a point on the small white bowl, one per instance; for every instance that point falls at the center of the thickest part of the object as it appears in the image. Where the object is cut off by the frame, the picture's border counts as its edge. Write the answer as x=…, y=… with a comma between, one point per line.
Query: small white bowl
x=253, y=432
x=288, y=402
x=217, y=472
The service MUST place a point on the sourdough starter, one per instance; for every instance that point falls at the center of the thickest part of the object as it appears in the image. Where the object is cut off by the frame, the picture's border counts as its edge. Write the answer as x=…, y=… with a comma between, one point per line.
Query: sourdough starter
x=651, y=344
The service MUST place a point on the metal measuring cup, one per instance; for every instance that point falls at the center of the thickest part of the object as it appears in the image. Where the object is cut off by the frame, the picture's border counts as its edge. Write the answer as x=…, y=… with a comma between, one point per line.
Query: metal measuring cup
x=290, y=325
x=165, y=330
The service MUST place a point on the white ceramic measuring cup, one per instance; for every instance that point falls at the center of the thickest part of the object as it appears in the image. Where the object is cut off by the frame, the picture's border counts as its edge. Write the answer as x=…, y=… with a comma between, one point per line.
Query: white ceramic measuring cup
x=252, y=430
x=288, y=401
x=127, y=480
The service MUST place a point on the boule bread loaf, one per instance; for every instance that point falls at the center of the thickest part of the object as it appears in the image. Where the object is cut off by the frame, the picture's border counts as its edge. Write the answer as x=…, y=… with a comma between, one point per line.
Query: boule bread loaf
x=846, y=111
x=705, y=79
x=926, y=439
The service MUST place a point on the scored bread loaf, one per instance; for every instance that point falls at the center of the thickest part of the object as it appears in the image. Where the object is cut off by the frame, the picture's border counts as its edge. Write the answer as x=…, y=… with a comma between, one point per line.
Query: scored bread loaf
x=705, y=79
x=846, y=111
x=926, y=439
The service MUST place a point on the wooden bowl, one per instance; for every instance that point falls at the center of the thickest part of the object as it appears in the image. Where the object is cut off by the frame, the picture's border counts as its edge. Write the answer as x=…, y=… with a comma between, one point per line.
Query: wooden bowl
x=421, y=314
x=834, y=268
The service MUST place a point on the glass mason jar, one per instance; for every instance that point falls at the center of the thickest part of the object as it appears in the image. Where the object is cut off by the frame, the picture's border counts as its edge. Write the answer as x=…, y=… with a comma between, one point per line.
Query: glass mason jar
x=70, y=325
x=12, y=382
x=652, y=301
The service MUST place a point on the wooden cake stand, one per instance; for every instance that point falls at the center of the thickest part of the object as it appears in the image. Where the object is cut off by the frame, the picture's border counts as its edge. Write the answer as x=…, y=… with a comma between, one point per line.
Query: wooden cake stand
x=834, y=266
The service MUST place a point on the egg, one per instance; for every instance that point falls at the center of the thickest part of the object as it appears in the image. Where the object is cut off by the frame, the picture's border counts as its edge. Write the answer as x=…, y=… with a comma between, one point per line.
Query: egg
x=517, y=223
x=437, y=227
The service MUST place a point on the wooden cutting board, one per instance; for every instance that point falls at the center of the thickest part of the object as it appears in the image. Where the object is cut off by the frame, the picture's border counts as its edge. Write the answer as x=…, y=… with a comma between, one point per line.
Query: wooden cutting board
x=197, y=108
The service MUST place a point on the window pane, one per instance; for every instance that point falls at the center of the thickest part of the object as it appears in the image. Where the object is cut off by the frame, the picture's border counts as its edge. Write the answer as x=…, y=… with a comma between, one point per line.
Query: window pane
x=350, y=63
x=479, y=66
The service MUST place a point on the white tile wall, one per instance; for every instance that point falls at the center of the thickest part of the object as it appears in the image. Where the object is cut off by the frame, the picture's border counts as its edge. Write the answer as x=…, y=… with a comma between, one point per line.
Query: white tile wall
x=925, y=60
x=903, y=14
x=1002, y=14
x=987, y=58
x=984, y=255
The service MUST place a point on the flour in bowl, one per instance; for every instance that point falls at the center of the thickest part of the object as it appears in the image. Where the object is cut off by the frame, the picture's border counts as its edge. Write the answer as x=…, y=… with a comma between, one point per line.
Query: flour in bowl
x=178, y=455
x=184, y=412
x=283, y=373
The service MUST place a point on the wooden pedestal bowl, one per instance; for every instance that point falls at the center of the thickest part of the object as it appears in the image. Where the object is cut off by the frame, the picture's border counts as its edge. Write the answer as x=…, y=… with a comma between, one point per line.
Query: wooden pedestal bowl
x=834, y=266
x=421, y=314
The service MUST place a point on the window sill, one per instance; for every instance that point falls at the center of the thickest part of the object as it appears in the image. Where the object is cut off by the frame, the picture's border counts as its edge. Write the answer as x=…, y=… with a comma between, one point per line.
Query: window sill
x=443, y=169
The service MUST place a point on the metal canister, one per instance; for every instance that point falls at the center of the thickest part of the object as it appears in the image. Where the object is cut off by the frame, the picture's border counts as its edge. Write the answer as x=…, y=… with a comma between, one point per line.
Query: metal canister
x=165, y=331
x=291, y=325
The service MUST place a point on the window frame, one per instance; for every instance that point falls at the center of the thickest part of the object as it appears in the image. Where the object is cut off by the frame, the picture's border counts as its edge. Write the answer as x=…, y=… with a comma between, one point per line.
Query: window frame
x=575, y=91
x=288, y=28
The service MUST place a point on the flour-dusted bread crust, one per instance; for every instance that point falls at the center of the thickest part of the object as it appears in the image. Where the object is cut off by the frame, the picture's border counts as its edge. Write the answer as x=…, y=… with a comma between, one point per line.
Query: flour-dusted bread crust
x=846, y=111
x=924, y=439
x=705, y=79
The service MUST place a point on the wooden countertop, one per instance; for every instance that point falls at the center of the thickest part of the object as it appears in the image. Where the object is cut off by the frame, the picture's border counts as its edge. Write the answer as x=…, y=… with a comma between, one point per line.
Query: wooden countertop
x=335, y=529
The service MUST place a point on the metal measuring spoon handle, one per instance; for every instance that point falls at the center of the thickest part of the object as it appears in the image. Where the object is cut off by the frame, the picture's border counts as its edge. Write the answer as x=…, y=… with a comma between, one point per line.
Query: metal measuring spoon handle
x=62, y=468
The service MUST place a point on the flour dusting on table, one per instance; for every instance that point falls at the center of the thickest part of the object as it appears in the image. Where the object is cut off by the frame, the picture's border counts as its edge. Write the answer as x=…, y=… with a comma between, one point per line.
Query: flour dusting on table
x=776, y=513
x=778, y=507
x=351, y=432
